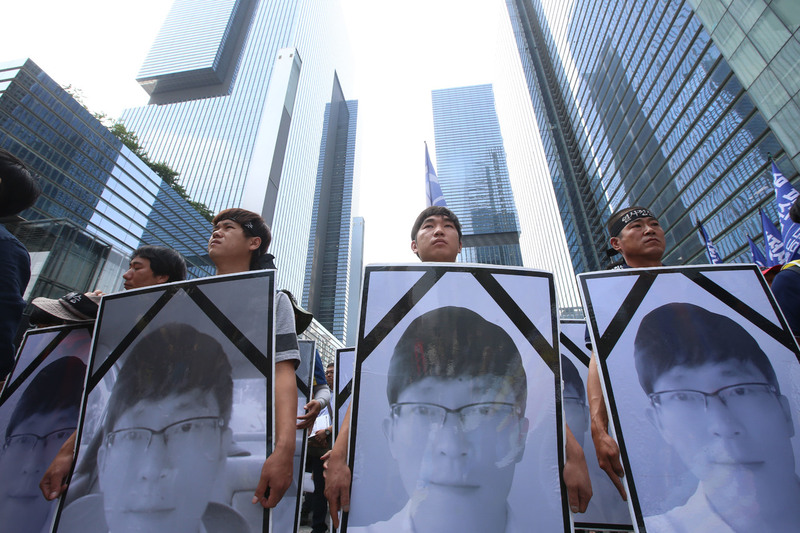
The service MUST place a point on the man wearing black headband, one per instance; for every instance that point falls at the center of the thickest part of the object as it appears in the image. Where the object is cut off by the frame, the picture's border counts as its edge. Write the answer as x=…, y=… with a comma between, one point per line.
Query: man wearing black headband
x=239, y=243
x=636, y=234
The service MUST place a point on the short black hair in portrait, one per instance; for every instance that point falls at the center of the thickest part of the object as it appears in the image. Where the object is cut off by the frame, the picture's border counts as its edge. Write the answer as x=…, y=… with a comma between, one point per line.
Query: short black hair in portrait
x=163, y=261
x=684, y=334
x=173, y=359
x=453, y=342
x=435, y=210
x=57, y=387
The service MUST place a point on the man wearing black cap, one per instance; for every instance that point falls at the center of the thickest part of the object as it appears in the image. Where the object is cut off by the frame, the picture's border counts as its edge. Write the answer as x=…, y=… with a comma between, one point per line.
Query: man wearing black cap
x=18, y=191
x=636, y=234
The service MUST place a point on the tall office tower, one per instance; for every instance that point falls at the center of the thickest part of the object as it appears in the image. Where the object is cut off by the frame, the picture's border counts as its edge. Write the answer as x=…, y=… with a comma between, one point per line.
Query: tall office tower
x=642, y=107
x=472, y=170
x=99, y=200
x=238, y=90
x=327, y=273
x=356, y=280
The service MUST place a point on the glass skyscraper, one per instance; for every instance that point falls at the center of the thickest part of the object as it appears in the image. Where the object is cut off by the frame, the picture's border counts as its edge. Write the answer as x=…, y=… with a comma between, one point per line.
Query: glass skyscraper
x=472, y=170
x=100, y=201
x=238, y=92
x=639, y=105
x=327, y=275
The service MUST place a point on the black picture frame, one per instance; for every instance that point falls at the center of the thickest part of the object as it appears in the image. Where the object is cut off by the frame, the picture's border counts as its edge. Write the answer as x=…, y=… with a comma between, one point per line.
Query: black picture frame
x=616, y=303
x=41, y=397
x=523, y=302
x=232, y=318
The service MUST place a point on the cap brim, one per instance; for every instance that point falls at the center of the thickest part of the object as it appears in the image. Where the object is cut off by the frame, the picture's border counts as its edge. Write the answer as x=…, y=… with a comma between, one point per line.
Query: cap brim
x=55, y=308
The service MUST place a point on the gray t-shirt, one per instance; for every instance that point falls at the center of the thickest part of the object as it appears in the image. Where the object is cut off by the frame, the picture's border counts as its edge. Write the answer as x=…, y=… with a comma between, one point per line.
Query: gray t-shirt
x=285, y=337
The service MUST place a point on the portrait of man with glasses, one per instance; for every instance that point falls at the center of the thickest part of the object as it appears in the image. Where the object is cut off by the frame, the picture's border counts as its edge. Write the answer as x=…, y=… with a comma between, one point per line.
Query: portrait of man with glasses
x=46, y=414
x=162, y=445
x=716, y=401
x=457, y=394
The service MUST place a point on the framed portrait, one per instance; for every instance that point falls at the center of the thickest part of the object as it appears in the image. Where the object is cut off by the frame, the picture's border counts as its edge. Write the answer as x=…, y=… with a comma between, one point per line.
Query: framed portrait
x=702, y=380
x=286, y=515
x=343, y=382
x=177, y=417
x=39, y=409
x=455, y=421
x=607, y=511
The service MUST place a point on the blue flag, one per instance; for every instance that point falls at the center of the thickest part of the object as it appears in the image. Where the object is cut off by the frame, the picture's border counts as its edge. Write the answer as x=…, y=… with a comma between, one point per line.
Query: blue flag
x=785, y=195
x=772, y=238
x=758, y=255
x=433, y=191
x=713, y=255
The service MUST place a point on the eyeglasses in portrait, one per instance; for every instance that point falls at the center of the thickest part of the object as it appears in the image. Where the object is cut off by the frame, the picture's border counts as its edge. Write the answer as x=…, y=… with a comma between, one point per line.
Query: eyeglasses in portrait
x=455, y=426
x=701, y=371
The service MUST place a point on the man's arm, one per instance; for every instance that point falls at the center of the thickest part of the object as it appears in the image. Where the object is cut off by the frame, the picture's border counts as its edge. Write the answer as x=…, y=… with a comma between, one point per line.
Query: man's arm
x=605, y=447
x=322, y=397
x=276, y=474
x=337, y=473
x=54, y=481
x=576, y=475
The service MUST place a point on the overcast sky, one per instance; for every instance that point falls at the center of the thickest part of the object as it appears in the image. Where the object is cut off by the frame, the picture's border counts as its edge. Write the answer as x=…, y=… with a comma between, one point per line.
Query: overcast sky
x=402, y=50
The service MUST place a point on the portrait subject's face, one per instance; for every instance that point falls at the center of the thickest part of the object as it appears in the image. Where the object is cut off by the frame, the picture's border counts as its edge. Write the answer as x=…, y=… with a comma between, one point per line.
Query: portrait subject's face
x=743, y=430
x=26, y=454
x=158, y=465
x=467, y=457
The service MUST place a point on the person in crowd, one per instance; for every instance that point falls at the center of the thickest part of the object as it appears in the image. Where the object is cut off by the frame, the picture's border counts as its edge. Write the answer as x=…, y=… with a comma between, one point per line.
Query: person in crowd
x=715, y=399
x=436, y=237
x=47, y=412
x=18, y=191
x=149, y=265
x=239, y=243
x=318, y=444
x=163, y=442
x=456, y=425
x=636, y=234
x=786, y=284
x=154, y=265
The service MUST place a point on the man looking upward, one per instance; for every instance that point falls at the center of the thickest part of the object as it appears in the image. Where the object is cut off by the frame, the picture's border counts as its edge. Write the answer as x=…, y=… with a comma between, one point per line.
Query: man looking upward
x=238, y=243
x=637, y=235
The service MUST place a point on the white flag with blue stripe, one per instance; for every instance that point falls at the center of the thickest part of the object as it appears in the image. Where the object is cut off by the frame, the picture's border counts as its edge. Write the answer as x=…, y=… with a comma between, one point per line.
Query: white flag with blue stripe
x=785, y=195
x=433, y=191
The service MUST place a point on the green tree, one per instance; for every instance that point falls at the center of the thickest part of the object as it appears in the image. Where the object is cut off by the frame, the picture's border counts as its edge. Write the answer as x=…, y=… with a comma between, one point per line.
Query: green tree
x=129, y=139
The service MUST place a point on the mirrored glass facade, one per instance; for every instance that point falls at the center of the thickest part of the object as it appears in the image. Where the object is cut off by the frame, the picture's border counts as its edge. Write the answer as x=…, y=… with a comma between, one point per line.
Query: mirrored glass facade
x=99, y=199
x=326, y=289
x=214, y=135
x=472, y=170
x=645, y=109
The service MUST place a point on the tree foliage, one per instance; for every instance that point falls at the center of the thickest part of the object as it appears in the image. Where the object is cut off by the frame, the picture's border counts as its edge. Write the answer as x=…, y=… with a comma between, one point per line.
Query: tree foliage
x=129, y=139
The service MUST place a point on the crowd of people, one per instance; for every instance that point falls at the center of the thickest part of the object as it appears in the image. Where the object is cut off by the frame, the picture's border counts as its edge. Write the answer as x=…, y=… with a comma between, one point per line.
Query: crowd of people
x=239, y=242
